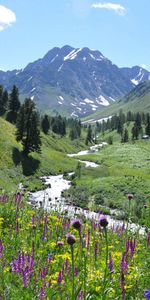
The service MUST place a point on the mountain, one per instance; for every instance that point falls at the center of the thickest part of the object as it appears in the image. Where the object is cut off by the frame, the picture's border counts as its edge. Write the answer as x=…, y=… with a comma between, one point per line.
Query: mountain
x=136, y=74
x=138, y=100
x=72, y=81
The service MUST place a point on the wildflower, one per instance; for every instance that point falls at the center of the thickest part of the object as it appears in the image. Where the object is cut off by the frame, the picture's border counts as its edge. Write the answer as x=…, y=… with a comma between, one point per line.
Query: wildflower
x=76, y=224
x=103, y=222
x=18, y=198
x=1, y=249
x=60, y=277
x=147, y=294
x=42, y=293
x=50, y=257
x=110, y=263
x=71, y=239
x=148, y=239
x=24, y=266
x=60, y=243
x=130, y=196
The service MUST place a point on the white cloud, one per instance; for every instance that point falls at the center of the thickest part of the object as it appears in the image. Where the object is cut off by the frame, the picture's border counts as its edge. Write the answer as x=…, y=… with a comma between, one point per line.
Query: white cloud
x=118, y=8
x=7, y=17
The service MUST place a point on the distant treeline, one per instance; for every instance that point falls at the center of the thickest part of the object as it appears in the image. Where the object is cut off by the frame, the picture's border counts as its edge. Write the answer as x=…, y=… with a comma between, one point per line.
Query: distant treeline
x=140, y=121
x=29, y=123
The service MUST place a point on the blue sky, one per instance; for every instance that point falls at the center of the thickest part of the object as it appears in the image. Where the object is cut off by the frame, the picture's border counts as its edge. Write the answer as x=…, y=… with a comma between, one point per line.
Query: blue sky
x=30, y=28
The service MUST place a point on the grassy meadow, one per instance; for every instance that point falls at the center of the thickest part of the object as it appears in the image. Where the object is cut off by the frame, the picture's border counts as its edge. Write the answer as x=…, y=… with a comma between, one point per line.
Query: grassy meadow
x=48, y=256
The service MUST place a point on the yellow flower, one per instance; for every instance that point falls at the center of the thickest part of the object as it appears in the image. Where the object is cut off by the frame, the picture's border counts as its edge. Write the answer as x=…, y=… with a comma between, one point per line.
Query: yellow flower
x=128, y=286
x=98, y=288
x=6, y=269
x=116, y=254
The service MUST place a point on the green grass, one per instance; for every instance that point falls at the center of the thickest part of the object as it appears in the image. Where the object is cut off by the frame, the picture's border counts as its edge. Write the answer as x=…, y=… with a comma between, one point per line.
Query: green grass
x=123, y=169
x=15, y=168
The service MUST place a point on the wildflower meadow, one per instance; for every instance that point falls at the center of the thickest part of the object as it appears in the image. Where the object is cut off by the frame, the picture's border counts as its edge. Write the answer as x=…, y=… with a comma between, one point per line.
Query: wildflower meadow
x=47, y=255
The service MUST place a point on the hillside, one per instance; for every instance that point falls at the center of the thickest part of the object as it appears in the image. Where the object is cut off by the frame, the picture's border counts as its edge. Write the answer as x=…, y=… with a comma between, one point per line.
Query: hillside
x=14, y=168
x=138, y=100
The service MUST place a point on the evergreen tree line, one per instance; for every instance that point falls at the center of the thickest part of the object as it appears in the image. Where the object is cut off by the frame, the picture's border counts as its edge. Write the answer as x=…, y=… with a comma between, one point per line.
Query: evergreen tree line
x=140, y=120
x=28, y=122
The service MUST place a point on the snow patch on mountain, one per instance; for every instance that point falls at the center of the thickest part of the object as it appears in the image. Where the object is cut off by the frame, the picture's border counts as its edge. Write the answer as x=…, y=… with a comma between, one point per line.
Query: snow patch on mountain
x=72, y=55
x=30, y=78
x=138, y=78
x=54, y=58
x=134, y=81
x=98, y=59
x=112, y=99
x=61, y=98
x=88, y=100
x=103, y=101
x=33, y=90
x=73, y=114
x=59, y=69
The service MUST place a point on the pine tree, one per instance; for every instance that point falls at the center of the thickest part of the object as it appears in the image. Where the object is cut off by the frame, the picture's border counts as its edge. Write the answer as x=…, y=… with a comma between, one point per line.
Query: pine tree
x=28, y=127
x=147, y=127
x=14, y=105
x=89, y=135
x=45, y=124
x=125, y=136
x=135, y=132
x=1, y=100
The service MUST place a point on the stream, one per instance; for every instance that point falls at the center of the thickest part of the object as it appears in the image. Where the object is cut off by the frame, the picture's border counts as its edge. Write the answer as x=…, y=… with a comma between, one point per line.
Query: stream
x=52, y=198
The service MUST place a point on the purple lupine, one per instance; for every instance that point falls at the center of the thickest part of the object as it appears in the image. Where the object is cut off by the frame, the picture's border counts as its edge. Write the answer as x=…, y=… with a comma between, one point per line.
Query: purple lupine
x=123, y=267
x=133, y=245
x=4, y=198
x=127, y=245
x=18, y=198
x=24, y=265
x=110, y=263
x=148, y=239
x=80, y=295
x=60, y=277
x=1, y=249
x=123, y=263
x=42, y=293
x=43, y=272
x=76, y=271
x=147, y=294
x=130, y=246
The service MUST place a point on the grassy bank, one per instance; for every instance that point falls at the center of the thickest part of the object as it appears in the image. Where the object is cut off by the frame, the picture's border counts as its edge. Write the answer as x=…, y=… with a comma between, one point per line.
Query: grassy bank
x=15, y=168
x=123, y=169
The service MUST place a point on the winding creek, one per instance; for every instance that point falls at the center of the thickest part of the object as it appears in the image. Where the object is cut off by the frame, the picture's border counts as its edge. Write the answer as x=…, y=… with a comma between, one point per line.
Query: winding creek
x=52, y=198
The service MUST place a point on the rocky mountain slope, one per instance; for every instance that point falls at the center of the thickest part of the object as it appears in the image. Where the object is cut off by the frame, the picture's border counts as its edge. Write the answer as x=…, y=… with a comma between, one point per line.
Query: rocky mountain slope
x=73, y=81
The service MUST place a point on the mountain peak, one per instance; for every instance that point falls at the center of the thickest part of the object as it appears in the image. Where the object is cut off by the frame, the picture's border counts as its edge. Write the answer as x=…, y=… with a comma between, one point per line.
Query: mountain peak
x=76, y=81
